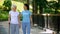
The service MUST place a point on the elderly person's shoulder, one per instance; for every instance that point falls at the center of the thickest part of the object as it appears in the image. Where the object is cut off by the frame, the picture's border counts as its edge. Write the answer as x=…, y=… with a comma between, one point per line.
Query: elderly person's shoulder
x=10, y=11
x=17, y=12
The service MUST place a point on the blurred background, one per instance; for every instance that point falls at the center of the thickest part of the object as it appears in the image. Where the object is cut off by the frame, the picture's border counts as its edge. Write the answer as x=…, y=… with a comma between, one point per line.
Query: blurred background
x=37, y=7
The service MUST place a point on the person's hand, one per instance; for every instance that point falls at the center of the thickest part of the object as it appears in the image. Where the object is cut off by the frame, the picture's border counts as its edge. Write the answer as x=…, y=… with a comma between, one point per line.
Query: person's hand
x=9, y=22
x=32, y=24
x=19, y=25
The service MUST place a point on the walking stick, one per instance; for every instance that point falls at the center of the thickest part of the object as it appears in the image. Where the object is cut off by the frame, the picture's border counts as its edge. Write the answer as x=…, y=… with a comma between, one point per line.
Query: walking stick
x=9, y=28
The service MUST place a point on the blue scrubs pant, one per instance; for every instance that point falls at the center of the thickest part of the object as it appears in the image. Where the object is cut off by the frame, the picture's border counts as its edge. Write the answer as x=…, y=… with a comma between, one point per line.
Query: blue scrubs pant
x=26, y=27
x=14, y=29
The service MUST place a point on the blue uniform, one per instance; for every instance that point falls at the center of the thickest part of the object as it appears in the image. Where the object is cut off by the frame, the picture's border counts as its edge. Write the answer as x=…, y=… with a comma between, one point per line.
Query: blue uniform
x=26, y=21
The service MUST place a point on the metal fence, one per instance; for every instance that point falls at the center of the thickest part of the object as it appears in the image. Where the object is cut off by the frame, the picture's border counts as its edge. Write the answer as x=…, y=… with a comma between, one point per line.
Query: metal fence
x=50, y=21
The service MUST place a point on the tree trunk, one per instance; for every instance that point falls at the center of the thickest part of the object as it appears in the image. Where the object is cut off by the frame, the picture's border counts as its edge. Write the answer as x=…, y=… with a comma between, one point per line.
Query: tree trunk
x=28, y=2
x=34, y=12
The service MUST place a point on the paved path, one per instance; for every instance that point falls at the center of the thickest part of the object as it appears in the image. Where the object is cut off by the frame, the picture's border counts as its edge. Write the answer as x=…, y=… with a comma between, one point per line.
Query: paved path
x=4, y=29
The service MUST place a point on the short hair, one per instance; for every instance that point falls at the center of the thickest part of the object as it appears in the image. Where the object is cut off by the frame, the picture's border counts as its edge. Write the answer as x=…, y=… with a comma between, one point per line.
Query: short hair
x=27, y=6
x=13, y=6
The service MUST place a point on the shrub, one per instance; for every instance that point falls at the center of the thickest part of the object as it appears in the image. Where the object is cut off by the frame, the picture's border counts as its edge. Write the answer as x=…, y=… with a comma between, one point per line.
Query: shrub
x=0, y=7
x=7, y=3
x=3, y=15
x=4, y=8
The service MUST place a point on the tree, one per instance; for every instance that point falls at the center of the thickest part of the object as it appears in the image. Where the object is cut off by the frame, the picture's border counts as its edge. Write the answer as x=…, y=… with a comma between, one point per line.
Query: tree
x=38, y=5
x=56, y=22
x=7, y=4
x=41, y=4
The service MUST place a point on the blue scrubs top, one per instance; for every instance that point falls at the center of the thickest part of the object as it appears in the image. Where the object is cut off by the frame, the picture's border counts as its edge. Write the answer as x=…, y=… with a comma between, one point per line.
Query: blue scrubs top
x=26, y=16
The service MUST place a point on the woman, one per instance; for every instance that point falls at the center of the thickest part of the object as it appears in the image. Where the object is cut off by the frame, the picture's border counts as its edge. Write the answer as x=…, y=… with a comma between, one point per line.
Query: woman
x=14, y=20
x=26, y=14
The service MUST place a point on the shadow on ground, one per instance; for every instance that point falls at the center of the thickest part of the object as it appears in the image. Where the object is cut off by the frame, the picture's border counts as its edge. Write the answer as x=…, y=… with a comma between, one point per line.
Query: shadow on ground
x=2, y=30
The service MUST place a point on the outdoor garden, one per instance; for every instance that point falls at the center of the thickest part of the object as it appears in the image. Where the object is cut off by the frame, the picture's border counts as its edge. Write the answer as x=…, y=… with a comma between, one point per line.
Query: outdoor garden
x=37, y=7
x=5, y=7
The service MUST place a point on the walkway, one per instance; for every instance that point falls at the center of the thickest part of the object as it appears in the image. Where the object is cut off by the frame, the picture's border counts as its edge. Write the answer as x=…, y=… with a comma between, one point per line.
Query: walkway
x=4, y=29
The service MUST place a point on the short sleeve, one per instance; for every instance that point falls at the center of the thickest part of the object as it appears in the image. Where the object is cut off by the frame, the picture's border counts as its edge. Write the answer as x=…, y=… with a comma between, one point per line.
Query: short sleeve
x=18, y=13
x=9, y=12
x=21, y=12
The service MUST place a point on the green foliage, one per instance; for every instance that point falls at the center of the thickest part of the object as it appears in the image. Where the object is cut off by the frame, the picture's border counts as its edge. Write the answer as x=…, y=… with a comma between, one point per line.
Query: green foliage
x=55, y=5
x=3, y=15
x=47, y=6
x=0, y=7
x=49, y=10
x=41, y=2
x=7, y=4
x=4, y=9
x=39, y=5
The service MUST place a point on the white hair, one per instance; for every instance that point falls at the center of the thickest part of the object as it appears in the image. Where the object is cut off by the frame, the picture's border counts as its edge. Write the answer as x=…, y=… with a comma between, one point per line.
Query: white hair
x=13, y=6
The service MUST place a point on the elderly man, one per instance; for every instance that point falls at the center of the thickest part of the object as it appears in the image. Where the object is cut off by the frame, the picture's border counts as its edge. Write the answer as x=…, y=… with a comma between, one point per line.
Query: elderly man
x=14, y=20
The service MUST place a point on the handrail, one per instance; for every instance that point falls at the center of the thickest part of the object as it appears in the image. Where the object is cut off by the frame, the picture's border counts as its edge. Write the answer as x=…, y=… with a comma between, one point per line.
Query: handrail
x=48, y=14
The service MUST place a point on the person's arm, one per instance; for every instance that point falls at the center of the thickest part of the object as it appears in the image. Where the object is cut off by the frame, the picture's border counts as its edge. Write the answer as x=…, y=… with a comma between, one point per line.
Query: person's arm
x=19, y=21
x=9, y=16
x=31, y=20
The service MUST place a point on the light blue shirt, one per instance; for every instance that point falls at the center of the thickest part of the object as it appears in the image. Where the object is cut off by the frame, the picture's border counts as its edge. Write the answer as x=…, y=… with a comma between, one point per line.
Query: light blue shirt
x=26, y=15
